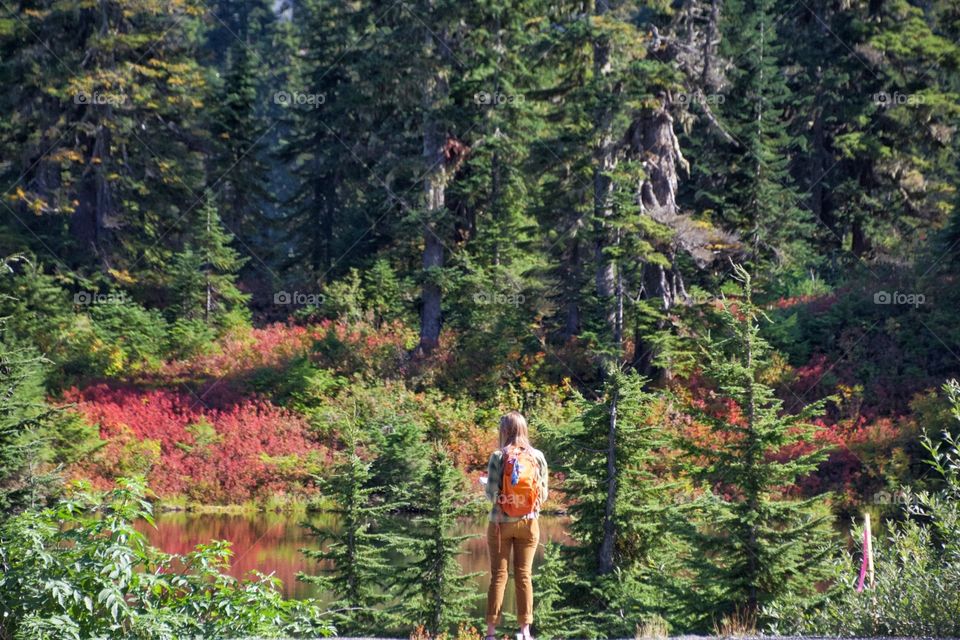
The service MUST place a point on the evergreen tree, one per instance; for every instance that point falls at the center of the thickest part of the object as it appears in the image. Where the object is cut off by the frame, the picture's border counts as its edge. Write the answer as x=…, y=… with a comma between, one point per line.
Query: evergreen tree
x=757, y=544
x=623, y=515
x=555, y=616
x=401, y=465
x=433, y=589
x=356, y=549
x=24, y=420
x=240, y=171
x=327, y=211
x=104, y=132
x=759, y=195
x=203, y=275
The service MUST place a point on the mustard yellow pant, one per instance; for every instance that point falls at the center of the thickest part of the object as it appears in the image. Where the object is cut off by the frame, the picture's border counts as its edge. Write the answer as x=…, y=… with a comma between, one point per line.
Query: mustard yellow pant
x=522, y=537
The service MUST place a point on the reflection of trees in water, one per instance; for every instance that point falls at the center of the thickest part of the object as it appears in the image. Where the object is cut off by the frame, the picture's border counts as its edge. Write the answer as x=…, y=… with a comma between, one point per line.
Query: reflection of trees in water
x=271, y=543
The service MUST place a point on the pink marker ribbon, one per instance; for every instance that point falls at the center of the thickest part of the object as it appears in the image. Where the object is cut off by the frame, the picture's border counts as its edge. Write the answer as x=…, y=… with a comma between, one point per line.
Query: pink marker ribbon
x=863, y=563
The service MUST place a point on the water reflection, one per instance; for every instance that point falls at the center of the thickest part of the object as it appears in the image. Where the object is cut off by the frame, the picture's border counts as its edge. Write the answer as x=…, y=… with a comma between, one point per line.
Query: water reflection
x=271, y=543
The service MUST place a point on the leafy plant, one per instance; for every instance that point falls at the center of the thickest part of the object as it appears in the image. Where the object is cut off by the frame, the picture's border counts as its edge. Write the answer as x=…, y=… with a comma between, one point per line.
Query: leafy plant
x=917, y=566
x=81, y=569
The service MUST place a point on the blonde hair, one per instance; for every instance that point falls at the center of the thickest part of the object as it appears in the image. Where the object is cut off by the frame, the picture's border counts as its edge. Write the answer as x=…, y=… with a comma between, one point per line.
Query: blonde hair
x=513, y=430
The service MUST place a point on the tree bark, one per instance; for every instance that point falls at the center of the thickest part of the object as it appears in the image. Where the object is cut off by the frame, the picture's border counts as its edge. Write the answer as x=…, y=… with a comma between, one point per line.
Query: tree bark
x=572, y=277
x=605, y=560
x=435, y=90
x=604, y=161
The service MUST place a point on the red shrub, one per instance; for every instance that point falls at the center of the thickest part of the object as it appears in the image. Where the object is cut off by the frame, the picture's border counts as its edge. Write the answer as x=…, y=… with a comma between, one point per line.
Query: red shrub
x=245, y=350
x=244, y=451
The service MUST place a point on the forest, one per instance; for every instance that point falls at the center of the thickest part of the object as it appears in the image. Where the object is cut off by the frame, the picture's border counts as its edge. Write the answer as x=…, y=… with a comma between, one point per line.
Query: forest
x=299, y=256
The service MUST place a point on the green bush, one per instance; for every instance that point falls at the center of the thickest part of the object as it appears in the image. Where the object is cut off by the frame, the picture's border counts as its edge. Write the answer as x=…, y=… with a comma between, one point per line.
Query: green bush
x=190, y=337
x=917, y=568
x=82, y=570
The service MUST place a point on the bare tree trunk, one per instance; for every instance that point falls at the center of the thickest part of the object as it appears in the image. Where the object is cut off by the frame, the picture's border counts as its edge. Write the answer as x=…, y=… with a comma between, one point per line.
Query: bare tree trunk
x=91, y=221
x=434, y=182
x=208, y=306
x=318, y=215
x=605, y=562
x=329, y=213
x=572, y=275
x=604, y=162
x=753, y=551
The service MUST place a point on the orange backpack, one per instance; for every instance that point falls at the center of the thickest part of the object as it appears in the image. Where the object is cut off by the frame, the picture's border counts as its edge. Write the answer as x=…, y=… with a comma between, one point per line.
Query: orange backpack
x=520, y=483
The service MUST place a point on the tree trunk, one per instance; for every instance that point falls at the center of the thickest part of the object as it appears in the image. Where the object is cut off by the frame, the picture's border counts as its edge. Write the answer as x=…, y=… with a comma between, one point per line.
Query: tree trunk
x=752, y=545
x=316, y=232
x=604, y=161
x=605, y=562
x=90, y=222
x=329, y=213
x=818, y=159
x=573, y=264
x=435, y=90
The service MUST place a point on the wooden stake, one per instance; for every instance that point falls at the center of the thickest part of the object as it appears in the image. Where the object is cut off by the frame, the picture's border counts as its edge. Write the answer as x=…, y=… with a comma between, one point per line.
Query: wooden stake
x=868, y=550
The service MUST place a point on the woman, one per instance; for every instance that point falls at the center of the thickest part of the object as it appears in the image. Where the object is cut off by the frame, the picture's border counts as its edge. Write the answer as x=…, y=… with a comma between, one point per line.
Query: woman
x=513, y=518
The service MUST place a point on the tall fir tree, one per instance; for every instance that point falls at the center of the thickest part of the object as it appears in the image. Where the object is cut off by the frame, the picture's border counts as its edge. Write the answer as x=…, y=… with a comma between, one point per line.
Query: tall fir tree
x=757, y=544
x=759, y=195
x=624, y=515
x=204, y=273
x=327, y=217
x=106, y=144
x=240, y=171
x=433, y=589
x=356, y=550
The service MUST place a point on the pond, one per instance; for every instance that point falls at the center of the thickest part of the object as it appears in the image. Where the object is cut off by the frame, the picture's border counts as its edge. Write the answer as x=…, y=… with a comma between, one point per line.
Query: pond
x=271, y=543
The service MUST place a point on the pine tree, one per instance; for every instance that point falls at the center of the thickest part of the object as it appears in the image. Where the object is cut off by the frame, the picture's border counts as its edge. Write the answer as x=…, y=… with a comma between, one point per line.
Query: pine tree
x=24, y=419
x=203, y=276
x=326, y=211
x=757, y=545
x=555, y=616
x=240, y=170
x=623, y=514
x=760, y=195
x=433, y=589
x=104, y=133
x=356, y=549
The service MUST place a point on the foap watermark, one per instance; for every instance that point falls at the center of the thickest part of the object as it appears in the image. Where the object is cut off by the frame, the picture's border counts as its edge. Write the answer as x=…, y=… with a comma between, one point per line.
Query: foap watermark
x=899, y=298
x=887, y=498
x=299, y=99
x=514, y=500
x=495, y=297
x=884, y=99
x=709, y=99
x=86, y=298
x=698, y=298
x=497, y=99
x=99, y=98
x=302, y=298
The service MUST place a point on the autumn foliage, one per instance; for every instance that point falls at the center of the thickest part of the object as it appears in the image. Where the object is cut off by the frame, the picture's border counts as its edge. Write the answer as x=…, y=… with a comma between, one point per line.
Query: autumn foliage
x=215, y=454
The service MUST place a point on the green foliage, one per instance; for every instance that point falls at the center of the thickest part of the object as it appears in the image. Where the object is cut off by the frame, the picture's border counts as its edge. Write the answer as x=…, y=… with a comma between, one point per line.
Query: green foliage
x=103, y=129
x=433, y=590
x=552, y=582
x=190, y=337
x=24, y=418
x=81, y=569
x=203, y=275
x=917, y=565
x=402, y=464
x=356, y=550
x=759, y=546
x=636, y=583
